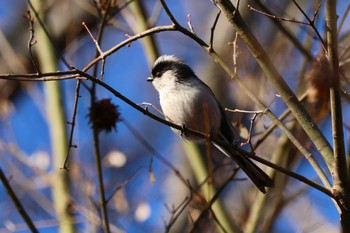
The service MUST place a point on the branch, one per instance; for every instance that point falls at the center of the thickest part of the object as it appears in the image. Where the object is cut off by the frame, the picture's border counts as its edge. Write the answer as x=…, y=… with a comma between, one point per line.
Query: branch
x=339, y=171
x=212, y=201
x=212, y=30
x=128, y=41
x=32, y=41
x=340, y=175
x=72, y=123
x=17, y=203
x=312, y=22
x=269, y=130
x=42, y=26
x=35, y=77
x=155, y=153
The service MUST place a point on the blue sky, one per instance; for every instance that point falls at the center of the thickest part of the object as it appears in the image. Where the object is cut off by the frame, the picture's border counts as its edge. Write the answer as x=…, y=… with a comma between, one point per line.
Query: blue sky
x=126, y=71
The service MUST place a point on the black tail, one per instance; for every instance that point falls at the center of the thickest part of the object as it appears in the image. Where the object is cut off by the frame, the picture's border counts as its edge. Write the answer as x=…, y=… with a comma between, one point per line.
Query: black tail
x=256, y=174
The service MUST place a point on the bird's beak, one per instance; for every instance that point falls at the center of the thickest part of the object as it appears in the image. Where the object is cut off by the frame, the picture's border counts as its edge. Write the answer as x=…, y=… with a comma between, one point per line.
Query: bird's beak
x=150, y=79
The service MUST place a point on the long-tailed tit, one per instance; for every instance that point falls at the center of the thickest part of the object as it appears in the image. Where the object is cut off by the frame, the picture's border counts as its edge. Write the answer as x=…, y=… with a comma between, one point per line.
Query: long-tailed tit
x=187, y=101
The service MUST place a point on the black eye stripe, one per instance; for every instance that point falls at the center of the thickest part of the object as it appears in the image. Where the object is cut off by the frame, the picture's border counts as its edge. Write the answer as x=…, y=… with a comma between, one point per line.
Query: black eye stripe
x=181, y=70
x=161, y=67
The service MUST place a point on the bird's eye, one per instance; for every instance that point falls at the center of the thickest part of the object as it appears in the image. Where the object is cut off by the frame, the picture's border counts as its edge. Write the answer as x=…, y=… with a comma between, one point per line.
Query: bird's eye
x=158, y=74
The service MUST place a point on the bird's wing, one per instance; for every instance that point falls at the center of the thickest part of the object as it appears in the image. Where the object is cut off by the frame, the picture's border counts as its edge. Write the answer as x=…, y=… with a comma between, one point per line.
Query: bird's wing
x=227, y=130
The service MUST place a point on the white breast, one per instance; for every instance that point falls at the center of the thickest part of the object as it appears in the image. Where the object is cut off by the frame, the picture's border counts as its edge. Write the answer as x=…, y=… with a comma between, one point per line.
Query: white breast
x=192, y=106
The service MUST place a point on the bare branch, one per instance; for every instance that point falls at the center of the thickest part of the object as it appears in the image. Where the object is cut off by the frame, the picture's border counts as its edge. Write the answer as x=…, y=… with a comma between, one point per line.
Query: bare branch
x=42, y=25
x=98, y=48
x=212, y=30
x=18, y=204
x=312, y=23
x=72, y=123
x=276, y=17
x=190, y=23
x=32, y=41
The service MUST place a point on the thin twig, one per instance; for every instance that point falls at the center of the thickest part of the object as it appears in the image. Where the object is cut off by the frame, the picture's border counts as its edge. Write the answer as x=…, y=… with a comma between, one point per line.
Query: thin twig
x=93, y=38
x=252, y=120
x=128, y=41
x=176, y=212
x=98, y=48
x=212, y=200
x=123, y=184
x=151, y=105
x=212, y=30
x=273, y=126
x=35, y=77
x=21, y=210
x=288, y=33
x=42, y=25
x=312, y=23
x=190, y=23
x=250, y=132
x=343, y=19
x=32, y=41
x=155, y=153
x=235, y=53
x=250, y=7
x=244, y=111
x=72, y=123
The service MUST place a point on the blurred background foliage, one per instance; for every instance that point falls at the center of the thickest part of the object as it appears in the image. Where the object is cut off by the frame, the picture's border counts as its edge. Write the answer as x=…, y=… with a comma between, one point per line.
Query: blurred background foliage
x=141, y=159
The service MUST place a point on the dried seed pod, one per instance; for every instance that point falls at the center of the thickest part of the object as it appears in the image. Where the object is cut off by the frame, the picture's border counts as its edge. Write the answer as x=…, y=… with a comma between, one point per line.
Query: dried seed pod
x=104, y=115
x=318, y=79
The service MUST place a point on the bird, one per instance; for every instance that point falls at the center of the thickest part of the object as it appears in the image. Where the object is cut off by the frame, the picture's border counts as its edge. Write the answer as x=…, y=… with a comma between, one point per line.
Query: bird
x=188, y=102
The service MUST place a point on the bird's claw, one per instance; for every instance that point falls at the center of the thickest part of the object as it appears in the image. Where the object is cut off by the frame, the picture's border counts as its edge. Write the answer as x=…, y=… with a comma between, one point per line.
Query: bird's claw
x=183, y=130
